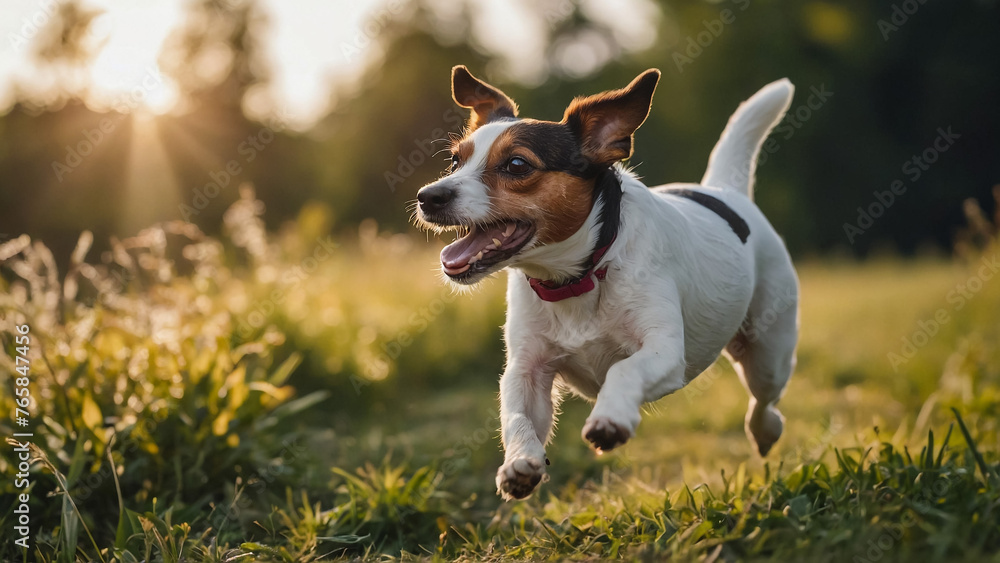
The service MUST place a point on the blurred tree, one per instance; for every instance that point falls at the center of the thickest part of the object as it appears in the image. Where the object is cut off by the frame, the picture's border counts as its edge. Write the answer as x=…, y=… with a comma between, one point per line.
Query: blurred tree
x=68, y=39
x=51, y=172
x=380, y=143
x=893, y=76
x=216, y=57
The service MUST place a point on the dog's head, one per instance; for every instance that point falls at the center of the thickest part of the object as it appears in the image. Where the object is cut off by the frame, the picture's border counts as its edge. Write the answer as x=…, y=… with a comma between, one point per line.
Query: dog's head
x=519, y=184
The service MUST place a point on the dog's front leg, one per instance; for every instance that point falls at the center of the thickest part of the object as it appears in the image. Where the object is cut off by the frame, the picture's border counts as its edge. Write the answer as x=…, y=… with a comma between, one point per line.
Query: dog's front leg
x=525, y=422
x=655, y=370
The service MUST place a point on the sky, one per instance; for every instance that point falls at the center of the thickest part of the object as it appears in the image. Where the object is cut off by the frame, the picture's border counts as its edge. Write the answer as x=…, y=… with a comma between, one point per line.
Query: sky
x=305, y=56
x=311, y=45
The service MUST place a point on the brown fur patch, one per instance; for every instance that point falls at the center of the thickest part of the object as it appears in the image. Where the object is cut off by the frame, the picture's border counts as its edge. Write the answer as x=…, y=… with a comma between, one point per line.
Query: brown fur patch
x=487, y=102
x=556, y=202
x=606, y=122
x=464, y=150
x=558, y=194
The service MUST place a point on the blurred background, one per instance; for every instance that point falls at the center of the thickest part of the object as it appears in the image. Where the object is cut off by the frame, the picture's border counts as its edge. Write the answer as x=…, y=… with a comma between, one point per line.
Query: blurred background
x=346, y=103
x=203, y=218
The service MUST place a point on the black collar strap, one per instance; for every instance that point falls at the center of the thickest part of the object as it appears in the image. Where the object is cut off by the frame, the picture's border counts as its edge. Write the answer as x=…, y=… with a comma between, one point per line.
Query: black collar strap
x=608, y=189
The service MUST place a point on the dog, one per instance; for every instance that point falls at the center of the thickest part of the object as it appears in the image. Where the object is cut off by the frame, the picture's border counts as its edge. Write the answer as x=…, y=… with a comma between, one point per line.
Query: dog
x=617, y=292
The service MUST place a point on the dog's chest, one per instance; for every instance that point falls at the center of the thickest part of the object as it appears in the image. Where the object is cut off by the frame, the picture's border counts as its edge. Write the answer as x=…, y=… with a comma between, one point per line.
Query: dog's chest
x=587, y=347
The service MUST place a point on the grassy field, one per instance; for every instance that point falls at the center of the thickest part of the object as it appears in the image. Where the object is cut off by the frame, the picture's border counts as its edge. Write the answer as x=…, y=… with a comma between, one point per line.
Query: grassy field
x=286, y=397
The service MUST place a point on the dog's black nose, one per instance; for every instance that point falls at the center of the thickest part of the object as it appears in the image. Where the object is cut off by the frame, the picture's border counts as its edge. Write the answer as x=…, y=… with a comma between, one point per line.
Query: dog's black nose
x=435, y=198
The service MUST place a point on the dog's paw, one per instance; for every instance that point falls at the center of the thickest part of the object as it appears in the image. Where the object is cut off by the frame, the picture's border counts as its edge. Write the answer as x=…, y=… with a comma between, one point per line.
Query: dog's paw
x=518, y=477
x=764, y=428
x=605, y=434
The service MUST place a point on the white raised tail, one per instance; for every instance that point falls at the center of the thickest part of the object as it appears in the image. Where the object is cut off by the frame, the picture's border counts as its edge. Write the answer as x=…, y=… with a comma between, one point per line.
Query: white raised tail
x=734, y=158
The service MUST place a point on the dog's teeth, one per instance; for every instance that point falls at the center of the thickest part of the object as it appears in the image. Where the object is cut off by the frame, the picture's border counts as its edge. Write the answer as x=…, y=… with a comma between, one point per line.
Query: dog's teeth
x=509, y=231
x=476, y=258
x=497, y=243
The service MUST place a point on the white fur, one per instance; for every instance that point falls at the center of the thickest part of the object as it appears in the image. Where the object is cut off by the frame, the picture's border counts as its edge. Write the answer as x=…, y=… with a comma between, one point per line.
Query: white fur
x=734, y=159
x=680, y=284
x=562, y=261
x=473, y=196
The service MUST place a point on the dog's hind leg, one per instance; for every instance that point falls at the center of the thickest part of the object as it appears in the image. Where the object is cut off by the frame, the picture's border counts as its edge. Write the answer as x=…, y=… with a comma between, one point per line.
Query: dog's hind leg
x=763, y=354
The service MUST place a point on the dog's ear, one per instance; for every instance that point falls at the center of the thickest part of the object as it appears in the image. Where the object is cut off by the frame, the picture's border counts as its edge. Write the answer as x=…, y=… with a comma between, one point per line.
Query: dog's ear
x=487, y=103
x=604, y=123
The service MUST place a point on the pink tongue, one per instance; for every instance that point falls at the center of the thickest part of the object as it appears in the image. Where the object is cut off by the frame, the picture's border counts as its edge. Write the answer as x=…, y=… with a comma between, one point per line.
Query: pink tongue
x=456, y=255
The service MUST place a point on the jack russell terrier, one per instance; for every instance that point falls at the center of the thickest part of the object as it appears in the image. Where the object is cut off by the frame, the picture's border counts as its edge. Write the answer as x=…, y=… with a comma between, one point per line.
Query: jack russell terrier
x=616, y=292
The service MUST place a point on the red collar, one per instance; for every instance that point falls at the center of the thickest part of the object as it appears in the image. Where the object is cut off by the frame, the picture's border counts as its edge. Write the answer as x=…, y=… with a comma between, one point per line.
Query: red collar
x=552, y=292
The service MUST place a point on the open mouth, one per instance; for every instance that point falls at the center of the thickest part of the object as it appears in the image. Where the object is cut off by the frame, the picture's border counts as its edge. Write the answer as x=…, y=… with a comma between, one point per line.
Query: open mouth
x=484, y=246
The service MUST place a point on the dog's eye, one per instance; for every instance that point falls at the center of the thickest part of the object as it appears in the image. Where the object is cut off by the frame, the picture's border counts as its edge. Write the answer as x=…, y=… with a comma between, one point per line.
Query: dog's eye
x=455, y=162
x=518, y=166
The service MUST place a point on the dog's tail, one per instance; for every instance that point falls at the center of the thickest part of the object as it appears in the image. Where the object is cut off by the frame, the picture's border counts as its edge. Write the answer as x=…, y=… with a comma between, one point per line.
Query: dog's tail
x=734, y=157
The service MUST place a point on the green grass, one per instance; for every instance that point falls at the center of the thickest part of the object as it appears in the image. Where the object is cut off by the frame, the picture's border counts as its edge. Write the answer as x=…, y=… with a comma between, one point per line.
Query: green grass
x=196, y=403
